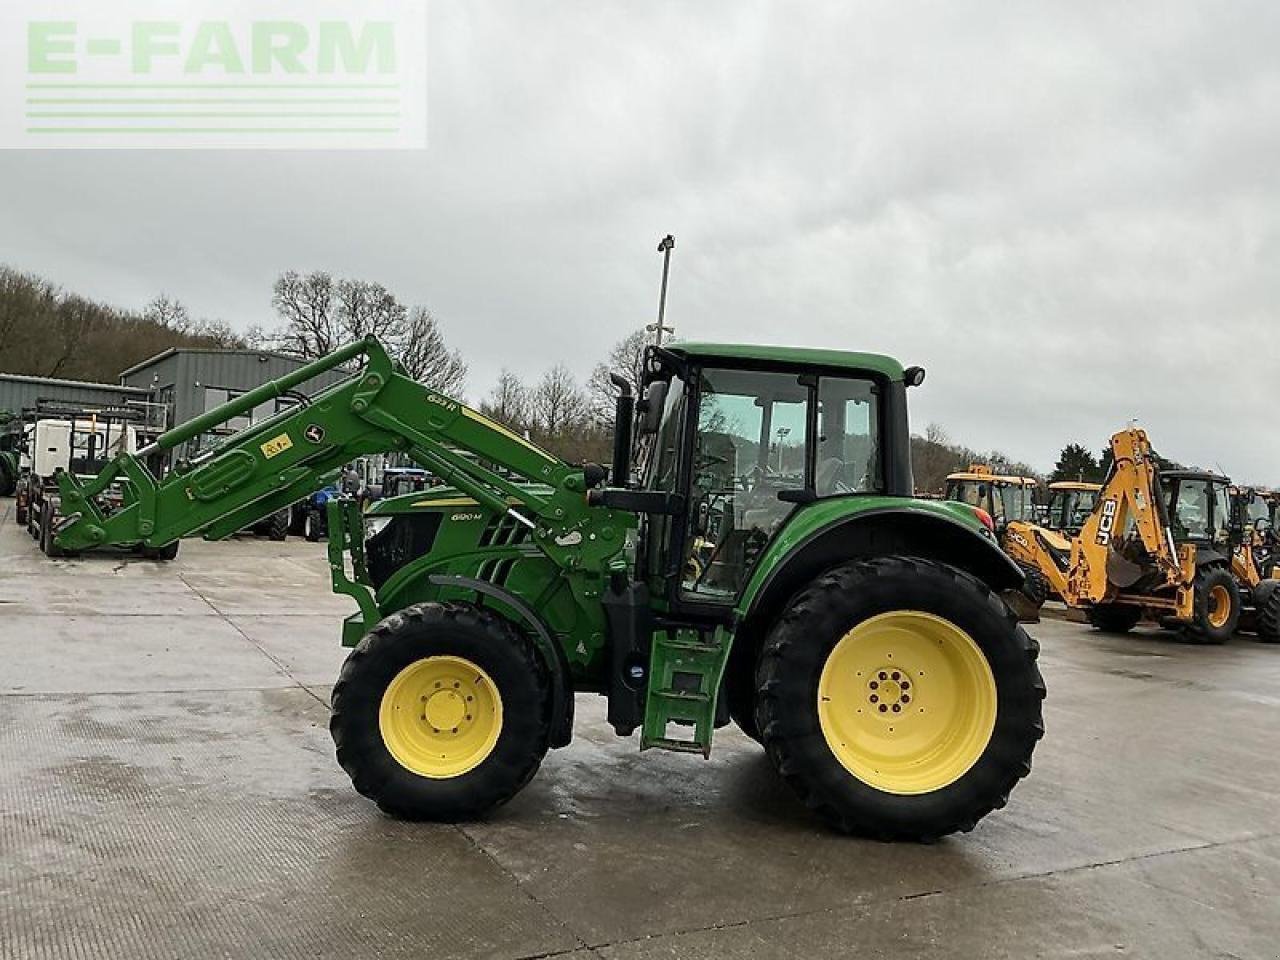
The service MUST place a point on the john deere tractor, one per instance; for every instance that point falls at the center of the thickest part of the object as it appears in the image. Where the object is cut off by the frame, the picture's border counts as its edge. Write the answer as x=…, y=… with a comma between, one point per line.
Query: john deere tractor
x=855, y=632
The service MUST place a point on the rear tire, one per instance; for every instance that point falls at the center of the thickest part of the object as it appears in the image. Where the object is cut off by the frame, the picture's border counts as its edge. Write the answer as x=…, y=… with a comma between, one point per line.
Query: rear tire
x=1216, y=607
x=1114, y=617
x=839, y=753
x=278, y=525
x=376, y=712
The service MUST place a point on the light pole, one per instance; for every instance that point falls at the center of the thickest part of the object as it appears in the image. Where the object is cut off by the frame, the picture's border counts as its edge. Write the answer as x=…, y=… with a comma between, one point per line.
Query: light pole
x=783, y=432
x=665, y=246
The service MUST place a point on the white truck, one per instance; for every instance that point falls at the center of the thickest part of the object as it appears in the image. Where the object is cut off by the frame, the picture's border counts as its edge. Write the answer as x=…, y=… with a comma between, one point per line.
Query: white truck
x=79, y=442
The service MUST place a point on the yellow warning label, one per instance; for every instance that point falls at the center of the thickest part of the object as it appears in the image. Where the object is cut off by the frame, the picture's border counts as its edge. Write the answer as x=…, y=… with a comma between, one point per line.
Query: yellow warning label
x=276, y=446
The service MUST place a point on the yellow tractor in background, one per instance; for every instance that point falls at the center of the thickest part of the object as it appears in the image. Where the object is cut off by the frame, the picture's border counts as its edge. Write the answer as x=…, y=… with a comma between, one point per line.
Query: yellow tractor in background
x=1001, y=500
x=1070, y=503
x=1159, y=543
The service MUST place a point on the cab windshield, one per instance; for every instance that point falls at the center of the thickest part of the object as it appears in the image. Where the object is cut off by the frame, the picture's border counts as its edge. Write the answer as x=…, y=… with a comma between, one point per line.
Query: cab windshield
x=1069, y=509
x=1199, y=509
x=1004, y=501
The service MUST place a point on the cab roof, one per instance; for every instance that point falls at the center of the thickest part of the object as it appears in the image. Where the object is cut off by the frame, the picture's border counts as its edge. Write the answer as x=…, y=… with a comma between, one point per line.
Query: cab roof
x=1075, y=485
x=1185, y=473
x=985, y=475
x=801, y=356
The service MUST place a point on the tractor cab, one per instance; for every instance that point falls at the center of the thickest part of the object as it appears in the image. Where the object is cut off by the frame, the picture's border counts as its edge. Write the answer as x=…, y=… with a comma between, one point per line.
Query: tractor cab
x=742, y=437
x=1070, y=504
x=1003, y=498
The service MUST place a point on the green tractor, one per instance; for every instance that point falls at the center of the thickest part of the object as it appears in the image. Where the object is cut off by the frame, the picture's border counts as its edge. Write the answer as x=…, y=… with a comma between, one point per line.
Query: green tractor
x=763, y=561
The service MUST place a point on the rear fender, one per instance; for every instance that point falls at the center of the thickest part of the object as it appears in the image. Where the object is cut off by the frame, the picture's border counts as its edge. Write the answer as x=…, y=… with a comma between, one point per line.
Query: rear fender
x=905, y=528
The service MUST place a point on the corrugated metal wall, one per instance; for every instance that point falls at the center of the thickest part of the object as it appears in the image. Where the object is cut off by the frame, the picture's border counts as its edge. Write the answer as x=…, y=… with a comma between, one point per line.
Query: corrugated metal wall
x=190, y=381
x=17, y=392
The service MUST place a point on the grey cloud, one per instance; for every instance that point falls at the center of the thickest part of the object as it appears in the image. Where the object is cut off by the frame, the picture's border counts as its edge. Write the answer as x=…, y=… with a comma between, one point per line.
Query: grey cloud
x=1068, y=211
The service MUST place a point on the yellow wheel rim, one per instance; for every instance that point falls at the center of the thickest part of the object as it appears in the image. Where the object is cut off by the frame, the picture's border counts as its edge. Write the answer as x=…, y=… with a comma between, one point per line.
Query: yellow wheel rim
x=440, y=717
x=907, y=702
x=1219, y=605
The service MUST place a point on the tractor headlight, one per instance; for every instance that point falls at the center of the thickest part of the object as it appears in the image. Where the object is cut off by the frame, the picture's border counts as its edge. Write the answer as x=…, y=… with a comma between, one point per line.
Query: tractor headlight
x=374, y=526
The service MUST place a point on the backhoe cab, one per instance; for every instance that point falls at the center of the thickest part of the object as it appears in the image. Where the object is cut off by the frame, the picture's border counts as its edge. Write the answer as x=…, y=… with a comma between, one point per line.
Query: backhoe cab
x=1070, y=504
x=1004, y=498
x=761, y=560
x=1001, y=500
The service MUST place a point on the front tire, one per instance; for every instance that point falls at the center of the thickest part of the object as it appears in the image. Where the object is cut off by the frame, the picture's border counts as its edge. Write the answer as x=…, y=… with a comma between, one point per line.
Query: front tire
x=1216, y=607
x=900, y=699
x=48, y=543
x=442, y=712
x=313, y=528
x=1267, y=614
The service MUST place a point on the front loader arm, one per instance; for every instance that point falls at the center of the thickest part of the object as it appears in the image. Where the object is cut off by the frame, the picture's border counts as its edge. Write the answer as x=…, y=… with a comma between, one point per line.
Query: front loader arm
x=378, y=409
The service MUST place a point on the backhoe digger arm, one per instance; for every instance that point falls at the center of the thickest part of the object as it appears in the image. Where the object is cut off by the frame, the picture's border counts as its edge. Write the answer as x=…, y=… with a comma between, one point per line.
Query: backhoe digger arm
x=1131, y=494
x=281, y=460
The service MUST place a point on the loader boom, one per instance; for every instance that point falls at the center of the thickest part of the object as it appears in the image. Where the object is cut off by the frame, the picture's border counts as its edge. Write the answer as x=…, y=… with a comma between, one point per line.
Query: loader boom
x=378, y=409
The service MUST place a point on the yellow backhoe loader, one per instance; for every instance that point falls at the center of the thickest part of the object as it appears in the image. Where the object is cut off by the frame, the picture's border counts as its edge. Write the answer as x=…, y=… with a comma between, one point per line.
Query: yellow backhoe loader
x=1159, y=543
x=1003, y=499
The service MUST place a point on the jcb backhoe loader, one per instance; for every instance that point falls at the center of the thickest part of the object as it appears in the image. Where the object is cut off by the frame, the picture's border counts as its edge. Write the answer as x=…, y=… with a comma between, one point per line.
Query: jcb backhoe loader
x=855, y=631
x=1158, y=543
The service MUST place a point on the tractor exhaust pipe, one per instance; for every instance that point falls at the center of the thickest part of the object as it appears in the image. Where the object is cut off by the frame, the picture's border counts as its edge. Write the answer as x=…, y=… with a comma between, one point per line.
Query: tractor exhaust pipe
x=623, y=418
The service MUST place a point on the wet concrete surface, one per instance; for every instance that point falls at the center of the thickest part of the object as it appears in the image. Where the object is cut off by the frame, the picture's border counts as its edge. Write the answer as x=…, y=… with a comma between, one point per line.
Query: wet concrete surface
x=168, y=789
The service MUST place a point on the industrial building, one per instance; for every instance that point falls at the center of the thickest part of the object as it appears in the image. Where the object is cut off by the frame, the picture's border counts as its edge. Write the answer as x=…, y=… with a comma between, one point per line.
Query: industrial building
x=172, y=387
x=19, y=392
x=189, y=382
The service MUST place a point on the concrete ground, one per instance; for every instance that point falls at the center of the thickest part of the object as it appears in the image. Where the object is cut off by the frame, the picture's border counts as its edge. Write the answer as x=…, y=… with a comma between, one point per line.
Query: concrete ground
x=168, y=789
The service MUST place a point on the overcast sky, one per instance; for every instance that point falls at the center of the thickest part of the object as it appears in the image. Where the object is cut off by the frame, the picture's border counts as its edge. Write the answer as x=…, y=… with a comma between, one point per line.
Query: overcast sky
x=1068, y=212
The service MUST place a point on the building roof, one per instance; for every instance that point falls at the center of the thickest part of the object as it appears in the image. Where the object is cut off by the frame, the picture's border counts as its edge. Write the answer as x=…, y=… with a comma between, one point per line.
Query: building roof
x=805, y=356
x=243, y=351
x=84, y=384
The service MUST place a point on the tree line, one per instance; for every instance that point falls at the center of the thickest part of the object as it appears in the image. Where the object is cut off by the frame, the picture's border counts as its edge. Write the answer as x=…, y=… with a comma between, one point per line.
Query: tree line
x=50, y=332
x=46, y=331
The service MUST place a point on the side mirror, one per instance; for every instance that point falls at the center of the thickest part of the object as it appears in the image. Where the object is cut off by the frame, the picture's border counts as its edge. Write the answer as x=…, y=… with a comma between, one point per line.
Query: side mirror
x=655, y=399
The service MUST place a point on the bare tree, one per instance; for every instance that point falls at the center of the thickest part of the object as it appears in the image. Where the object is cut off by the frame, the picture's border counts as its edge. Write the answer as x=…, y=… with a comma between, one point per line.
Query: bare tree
x=508, y=401
x=626, y=358
x=364, y=308
x=427, y=358
x=558, y=405
x=74, y=321
x=27, y=304
x=305, y=303
x=168, y=312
